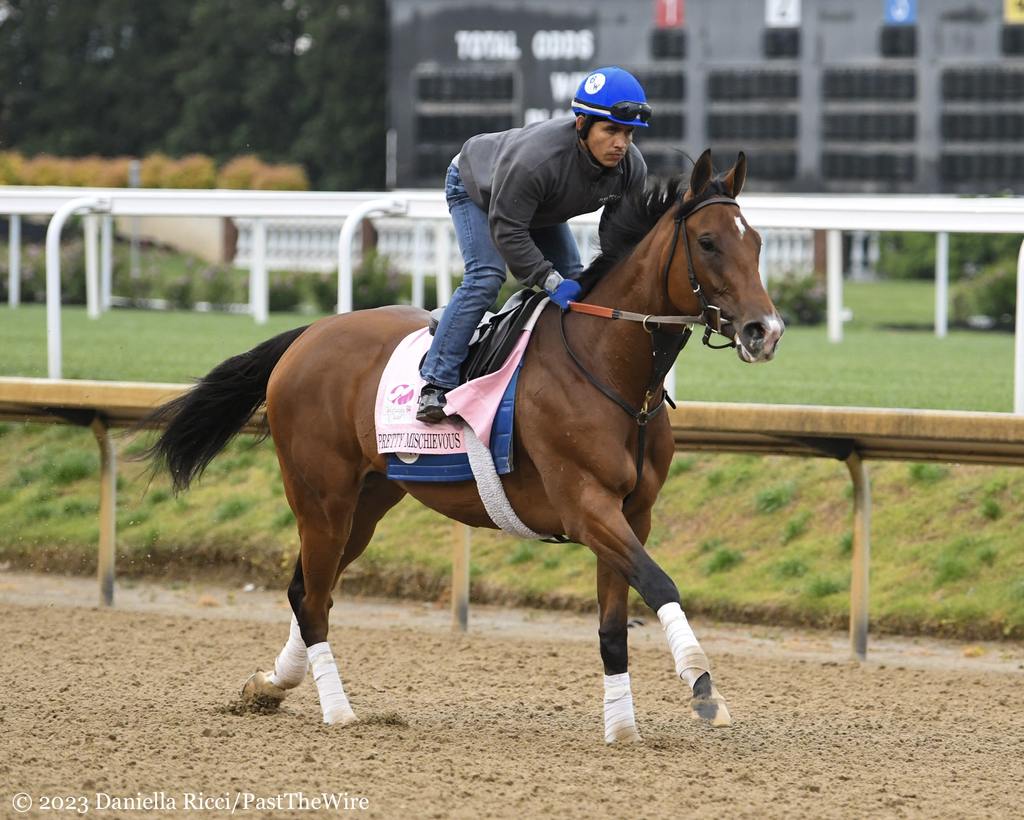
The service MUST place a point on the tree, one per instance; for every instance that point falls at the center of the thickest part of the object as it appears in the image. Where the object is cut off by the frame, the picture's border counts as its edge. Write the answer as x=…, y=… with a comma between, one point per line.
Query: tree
x=343, y=95
x=291, y=80
x=238, y=80
x=82, y=78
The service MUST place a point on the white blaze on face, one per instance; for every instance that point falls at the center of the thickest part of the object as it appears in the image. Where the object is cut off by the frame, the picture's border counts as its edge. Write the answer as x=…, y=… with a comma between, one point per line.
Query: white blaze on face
x=740, y=226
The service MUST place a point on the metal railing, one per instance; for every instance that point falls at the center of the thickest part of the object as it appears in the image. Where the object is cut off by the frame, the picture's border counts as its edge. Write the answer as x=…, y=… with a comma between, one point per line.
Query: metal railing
x=940, y=215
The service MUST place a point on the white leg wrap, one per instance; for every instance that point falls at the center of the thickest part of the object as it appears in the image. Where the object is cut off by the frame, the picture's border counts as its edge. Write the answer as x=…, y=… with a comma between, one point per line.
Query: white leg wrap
x=691, y=662
x=333, y=701
x=290, y=666
x=619, y=721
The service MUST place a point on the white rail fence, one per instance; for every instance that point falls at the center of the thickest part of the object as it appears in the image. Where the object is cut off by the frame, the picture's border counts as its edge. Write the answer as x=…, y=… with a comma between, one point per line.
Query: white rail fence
x=940, y=215
x=311, y=245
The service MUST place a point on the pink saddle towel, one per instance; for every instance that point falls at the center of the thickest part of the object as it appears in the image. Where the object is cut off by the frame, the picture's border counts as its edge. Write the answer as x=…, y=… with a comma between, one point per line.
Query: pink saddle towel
x=476, y=402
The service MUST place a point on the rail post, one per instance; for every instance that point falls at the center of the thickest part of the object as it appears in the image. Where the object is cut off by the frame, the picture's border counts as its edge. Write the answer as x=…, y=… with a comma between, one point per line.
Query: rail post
x=108, y=511
x=347, y=235
x=1018, y=339
x=14, y=262
x=442, y=253
x=861, y=555
x=834, y=284
x=941, y=284
x=460, y=577
x=53, y=230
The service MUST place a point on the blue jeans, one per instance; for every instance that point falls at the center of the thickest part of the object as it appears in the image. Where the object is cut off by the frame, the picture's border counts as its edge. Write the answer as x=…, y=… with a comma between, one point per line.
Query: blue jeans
x=484, y=276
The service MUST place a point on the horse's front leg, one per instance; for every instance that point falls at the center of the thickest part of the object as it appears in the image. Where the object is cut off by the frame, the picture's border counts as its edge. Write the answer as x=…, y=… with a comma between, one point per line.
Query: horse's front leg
x=596, y=519
x=612, y=598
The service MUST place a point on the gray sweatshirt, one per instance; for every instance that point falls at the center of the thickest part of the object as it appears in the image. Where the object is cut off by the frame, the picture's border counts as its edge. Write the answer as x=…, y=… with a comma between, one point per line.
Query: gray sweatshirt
x=535, y=177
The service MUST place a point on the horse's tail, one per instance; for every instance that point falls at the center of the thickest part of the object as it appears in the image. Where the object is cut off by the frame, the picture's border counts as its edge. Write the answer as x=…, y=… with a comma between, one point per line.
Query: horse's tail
x=198, y=424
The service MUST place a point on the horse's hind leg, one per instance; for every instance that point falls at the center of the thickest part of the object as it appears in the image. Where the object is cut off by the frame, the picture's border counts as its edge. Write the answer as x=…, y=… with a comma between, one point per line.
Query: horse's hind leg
x=270, y=688
x=376, y=496
x=612, y=597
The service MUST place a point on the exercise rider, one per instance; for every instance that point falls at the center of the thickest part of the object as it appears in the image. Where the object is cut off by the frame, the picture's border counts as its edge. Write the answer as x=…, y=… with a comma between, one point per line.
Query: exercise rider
x=510, y=194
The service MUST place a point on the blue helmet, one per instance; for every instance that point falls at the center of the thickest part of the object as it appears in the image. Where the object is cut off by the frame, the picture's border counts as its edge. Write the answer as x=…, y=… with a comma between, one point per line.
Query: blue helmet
x=614, y=94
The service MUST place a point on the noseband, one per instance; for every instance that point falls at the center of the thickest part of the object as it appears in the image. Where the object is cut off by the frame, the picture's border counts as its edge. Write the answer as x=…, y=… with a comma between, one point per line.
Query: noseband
x=666, y=346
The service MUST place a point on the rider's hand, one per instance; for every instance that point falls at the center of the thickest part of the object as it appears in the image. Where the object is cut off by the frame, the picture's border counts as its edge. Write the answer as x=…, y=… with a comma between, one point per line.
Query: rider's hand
x=562, y=290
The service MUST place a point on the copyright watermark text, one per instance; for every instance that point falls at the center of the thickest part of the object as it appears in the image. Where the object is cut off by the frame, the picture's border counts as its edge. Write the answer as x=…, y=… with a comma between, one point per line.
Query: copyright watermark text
x=232, y=802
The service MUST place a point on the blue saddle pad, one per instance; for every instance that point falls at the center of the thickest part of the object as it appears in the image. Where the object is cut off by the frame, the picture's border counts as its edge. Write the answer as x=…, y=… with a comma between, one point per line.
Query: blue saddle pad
x=455, y=466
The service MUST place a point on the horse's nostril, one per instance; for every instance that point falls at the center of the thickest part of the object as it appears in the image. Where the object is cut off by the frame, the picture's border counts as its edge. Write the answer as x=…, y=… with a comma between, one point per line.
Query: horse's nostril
x=754, y=333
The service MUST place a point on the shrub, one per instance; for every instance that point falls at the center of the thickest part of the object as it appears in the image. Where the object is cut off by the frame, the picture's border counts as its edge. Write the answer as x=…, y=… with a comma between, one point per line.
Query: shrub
x=154, y=169
x=284, y=293
x=324, y=289
x=993, y=294
x=11, y=168
x=193, y=171
x=112, y=173
x=218, y=285
x=375, y=283
x=181, y=293
x=912, y=255
x=280, y=178
x=799, y=298
x=45, y=169
x=239, y=172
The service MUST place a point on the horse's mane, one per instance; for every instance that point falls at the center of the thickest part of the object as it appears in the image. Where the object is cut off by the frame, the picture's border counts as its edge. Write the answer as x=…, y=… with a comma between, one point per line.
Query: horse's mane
x=634, y=217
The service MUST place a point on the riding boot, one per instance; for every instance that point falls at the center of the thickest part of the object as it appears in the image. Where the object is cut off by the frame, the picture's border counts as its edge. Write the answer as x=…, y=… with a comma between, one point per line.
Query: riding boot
x=430, y=409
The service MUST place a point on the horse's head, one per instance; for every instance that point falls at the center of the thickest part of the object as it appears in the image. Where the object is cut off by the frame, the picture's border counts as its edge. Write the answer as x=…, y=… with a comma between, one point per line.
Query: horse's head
x=721, y=253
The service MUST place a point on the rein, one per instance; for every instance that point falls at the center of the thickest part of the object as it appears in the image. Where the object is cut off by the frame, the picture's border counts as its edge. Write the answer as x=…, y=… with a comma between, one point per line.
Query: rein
x=665, y=346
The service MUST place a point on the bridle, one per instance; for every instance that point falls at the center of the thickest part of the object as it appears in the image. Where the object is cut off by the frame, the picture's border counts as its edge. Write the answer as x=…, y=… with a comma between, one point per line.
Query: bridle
x=710, y=315
x=665, y=346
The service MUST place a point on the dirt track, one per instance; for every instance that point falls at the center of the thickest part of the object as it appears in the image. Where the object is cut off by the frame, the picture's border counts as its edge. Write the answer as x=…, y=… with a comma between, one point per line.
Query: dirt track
x=504, y=722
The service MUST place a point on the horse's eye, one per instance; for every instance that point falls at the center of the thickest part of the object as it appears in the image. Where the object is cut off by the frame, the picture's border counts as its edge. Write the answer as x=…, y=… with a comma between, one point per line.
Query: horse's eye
x=706, y=244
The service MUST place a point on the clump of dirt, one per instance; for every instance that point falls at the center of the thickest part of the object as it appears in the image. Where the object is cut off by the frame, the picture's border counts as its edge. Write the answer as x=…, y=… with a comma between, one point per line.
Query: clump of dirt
x=255, y=705
x=386, y=719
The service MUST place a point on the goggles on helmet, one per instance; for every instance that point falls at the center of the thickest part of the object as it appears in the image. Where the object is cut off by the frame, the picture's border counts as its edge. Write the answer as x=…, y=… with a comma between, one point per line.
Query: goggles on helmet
x=631, y=111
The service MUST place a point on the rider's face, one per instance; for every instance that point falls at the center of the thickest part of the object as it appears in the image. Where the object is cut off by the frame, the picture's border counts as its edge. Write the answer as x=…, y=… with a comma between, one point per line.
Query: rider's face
x=608, y=141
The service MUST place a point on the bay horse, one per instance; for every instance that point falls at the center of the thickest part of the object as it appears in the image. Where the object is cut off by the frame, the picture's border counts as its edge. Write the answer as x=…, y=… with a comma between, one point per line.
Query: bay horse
x=583, y=467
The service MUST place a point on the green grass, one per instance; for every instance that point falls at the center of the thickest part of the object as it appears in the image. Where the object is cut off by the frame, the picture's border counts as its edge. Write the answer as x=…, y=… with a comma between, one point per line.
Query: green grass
x=893, y=303
x=873, y=366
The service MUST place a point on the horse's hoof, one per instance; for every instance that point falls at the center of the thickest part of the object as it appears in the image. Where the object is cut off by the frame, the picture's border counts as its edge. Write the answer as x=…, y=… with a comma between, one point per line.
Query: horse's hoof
x=342, y=716
x=708, y=705
x=624, y=736
x=258, y=691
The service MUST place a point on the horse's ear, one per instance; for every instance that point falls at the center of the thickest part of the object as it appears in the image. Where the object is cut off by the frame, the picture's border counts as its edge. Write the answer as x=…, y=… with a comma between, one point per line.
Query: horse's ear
x=701, y=175
x=737, y=175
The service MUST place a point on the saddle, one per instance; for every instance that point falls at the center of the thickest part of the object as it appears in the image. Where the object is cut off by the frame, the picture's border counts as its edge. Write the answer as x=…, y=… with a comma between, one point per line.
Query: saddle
x=496, y=335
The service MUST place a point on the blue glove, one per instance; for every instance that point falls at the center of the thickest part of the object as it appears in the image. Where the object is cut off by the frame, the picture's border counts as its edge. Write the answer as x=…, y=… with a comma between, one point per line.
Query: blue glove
x=567, y=290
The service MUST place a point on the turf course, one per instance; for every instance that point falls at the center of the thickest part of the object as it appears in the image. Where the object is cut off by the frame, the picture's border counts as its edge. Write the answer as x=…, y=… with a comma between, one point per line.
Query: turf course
x=874, y=366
